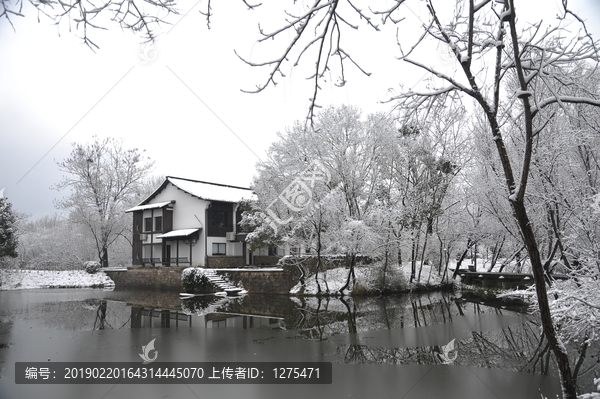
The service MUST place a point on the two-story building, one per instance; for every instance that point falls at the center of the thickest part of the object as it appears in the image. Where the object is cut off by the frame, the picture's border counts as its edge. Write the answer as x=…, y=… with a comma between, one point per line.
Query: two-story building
x=190, y=222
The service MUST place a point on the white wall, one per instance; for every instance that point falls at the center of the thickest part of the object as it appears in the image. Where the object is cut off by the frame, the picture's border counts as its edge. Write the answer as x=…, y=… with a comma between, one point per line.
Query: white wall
x=188, y=212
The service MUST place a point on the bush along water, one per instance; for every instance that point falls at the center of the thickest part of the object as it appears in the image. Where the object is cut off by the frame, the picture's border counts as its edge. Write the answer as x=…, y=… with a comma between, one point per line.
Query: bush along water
x=91, y=266
x=194, y=281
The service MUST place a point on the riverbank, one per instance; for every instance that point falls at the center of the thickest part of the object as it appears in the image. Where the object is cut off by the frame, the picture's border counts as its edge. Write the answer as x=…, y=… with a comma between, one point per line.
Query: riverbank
x=372, y=280
x=32, y=279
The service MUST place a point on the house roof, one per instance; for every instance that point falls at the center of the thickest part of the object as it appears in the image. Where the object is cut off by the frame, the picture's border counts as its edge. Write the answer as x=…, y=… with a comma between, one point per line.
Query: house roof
x=203, y=190
x=211, y=191
x=149, y=206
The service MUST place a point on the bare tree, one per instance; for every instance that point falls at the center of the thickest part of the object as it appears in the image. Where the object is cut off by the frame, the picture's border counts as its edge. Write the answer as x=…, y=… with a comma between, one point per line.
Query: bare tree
x=140, y=16
x=103, y=177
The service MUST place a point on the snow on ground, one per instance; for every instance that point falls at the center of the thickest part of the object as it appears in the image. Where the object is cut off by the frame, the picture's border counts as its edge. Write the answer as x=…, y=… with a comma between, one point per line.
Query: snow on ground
x=30, y=279
x=369, y=280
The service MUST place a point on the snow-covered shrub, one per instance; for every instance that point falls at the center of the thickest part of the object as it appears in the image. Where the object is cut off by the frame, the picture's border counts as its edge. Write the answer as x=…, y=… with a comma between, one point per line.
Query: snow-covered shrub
x=194, y=280
x=91, y=266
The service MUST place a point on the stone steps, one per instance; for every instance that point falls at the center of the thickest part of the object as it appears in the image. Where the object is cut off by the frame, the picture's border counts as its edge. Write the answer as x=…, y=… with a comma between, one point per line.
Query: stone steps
x=217, y=280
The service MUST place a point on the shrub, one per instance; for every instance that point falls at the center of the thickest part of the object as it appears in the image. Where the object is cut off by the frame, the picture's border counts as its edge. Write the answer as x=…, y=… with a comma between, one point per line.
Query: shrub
x=91, y=266
x=193, y=280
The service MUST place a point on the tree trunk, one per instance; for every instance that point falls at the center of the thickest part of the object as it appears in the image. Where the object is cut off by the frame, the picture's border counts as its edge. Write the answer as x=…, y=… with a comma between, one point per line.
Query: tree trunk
x=496, y=253
x=462, y=257
x=559, y=350
x=423, y=257
x=414, y=253
x=319, y=260
x=350, y=261
x=104, y=257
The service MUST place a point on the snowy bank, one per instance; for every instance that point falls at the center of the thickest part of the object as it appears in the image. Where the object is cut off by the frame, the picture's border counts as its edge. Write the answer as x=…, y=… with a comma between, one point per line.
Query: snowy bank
x=31, y=279
x=370, y=281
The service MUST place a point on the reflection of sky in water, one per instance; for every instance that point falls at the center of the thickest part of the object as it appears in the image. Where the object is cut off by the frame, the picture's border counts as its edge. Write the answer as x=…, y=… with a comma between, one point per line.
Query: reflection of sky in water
x=386, y=347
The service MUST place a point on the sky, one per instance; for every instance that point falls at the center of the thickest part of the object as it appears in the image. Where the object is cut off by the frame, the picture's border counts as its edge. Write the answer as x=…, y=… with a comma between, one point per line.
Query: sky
x=180, y=100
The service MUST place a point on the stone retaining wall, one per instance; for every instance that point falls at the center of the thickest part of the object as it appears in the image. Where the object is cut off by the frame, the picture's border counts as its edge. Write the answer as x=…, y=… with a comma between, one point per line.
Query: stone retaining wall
x=276, y=282
x=169, y=279
x=263, y=260
x=161, y=279
x=216, y=262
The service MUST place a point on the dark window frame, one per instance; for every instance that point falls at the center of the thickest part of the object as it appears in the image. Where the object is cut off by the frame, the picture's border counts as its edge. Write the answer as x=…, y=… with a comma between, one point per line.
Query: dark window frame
x=219, y=245
x=147, y=225
x=158, y=223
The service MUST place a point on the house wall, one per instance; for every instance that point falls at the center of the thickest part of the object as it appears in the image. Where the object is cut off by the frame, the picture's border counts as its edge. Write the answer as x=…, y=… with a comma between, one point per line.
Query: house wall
x=232, y=248
x=188, y=212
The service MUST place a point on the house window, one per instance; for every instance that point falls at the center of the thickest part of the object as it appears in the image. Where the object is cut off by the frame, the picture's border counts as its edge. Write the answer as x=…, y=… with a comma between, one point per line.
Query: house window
x=219, y=248
x=158, y=223
x=219, y=219
x=272, y=251
x=147, y=224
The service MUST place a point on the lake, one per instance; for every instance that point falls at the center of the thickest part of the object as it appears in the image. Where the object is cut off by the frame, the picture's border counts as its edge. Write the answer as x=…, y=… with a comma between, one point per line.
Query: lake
x=438, y=345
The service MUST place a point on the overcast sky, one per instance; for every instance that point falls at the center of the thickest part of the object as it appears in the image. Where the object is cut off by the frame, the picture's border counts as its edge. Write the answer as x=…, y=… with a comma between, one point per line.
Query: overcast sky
x=180, y=101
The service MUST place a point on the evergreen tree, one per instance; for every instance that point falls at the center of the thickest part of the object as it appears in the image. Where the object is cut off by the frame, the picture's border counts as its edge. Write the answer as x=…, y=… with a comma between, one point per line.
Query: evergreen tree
x=8, y=230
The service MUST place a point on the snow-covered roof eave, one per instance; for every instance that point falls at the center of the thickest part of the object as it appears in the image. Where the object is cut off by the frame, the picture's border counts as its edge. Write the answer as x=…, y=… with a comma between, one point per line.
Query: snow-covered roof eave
x=179, y=233
x=150, y=206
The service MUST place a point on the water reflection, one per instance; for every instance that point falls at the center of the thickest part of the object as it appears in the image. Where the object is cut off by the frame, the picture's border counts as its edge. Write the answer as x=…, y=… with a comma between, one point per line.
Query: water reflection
x=365, y=333
x=387, y=330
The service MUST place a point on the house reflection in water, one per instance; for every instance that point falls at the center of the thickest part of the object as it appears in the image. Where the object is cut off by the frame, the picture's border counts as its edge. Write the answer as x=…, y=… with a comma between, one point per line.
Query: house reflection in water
x=216, y=320
x=152, y=318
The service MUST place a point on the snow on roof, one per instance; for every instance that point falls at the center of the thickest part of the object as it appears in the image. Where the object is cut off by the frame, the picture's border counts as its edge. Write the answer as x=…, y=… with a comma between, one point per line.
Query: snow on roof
x=212, y=191
x=178, y=233
x=149, y=206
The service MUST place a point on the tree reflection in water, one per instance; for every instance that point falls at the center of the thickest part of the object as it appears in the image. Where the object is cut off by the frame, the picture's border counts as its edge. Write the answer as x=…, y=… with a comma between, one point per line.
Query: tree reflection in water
x=386, y=330
x=504, y=339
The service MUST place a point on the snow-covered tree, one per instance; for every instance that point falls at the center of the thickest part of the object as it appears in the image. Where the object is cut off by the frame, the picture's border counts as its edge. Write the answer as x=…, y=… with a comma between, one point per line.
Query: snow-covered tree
x=54, y=242
x=517, y=75
x=84, y=16
x=8, y=230
x=321, y=178
x=103, y=178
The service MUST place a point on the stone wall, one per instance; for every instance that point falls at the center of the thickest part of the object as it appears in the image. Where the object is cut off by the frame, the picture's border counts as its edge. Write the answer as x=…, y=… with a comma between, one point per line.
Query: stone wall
x=277, y=282
x=163, y=278
x=219, y=262
x=265, y=260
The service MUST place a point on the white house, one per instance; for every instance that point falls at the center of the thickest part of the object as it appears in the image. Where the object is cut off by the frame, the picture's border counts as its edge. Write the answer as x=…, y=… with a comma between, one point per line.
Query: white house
x=190, y=222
